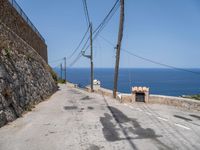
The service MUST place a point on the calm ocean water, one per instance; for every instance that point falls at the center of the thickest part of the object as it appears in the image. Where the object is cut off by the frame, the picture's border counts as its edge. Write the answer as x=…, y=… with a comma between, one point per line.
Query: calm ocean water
x=161, y=81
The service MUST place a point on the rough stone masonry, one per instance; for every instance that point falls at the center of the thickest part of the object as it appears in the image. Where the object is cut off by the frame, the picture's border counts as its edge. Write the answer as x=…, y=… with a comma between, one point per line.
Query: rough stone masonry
x=25, y=77
x=14, y=20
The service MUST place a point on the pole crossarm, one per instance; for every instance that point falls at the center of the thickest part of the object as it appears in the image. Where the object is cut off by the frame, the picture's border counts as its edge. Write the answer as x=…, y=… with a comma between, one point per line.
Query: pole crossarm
x=87, y=56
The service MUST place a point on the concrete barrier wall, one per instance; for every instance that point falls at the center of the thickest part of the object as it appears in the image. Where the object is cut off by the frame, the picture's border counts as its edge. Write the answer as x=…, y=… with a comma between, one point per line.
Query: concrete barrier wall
x=13, y=20
x=122, y=97
x=105, y=92
x=155, y=99
x=175, y=101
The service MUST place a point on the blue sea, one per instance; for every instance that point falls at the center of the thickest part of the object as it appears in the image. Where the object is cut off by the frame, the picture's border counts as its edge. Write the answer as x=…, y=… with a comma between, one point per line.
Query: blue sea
x=160, y=81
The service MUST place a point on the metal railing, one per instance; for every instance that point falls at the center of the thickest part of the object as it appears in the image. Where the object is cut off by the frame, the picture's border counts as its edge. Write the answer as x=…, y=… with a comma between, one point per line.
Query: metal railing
x=24, y=16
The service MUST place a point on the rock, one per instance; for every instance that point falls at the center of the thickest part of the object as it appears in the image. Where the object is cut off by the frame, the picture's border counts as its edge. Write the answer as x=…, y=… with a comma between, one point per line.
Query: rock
x=3, y=119
x=10, y=114
x=24, y=77
x=2, y=71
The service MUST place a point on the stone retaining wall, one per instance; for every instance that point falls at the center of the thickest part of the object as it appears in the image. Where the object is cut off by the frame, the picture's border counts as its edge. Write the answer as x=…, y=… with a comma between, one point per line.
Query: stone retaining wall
x=14, y=21
x=25, y=77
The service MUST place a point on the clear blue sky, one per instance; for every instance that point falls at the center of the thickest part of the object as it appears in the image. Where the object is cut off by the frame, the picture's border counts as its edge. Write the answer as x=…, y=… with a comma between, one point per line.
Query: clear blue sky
x=166, y=31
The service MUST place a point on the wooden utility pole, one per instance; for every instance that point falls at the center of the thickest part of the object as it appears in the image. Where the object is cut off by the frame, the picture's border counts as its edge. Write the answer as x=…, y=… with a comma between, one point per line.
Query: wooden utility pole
x=118, y=47
x=61, y=69
x=65, y=69
x=91, y=58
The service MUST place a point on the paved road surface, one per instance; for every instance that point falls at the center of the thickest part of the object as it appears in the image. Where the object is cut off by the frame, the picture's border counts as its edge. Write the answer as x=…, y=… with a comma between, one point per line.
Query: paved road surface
x=76, y=120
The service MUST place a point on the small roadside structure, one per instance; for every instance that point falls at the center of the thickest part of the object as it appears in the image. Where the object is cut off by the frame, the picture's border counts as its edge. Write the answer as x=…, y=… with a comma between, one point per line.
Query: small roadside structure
x=97, y=84
x=140, y=94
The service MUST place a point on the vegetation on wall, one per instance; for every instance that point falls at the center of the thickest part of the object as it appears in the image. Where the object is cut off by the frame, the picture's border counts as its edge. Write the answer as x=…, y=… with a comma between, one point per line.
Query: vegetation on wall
x=53, y=74
x=195, y=97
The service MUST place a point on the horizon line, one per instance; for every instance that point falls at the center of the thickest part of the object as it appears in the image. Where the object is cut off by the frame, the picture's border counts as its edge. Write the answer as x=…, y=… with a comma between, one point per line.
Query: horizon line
x=130, y=68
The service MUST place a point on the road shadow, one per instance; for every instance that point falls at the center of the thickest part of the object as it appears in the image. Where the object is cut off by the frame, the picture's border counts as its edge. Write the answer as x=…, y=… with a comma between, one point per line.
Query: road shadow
x=195, y=116
x=74, y=91
x=117, y=122
x=181, y=117
x=94, y=147
x=86, y=98
x=70, y=107
x=90, y=108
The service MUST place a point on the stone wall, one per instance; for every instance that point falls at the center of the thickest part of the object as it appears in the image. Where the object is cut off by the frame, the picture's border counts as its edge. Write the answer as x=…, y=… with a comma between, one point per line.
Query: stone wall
x=25, y=77
x=154, y=99
x=13, y=20
x=175, y=101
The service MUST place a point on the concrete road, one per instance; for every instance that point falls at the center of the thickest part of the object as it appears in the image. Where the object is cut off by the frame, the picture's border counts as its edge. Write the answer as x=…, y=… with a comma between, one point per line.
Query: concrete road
x=73, y=119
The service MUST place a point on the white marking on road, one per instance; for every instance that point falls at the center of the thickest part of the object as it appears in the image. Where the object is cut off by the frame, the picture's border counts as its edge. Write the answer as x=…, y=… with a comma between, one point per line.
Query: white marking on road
x=131, y=107
x=139, y=109
x=148, y=113
x=162, y=119
x=117, y=104
x=182, y=126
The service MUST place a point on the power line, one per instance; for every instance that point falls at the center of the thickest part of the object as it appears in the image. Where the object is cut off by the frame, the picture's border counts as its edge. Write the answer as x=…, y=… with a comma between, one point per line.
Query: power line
x=107, y=41
x=149, y=60
x=86, y=11
x=88, y=22
x=76, y=59
x=100, y=27
x=107, y=19
x=84, y=36
x=79, y=43
x=57, y=60
x=161, y=64
x=104, y=22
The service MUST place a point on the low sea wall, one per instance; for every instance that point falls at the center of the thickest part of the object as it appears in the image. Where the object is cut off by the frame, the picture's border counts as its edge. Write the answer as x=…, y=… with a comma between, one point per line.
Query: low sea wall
x=154, y=99
x=175, y=101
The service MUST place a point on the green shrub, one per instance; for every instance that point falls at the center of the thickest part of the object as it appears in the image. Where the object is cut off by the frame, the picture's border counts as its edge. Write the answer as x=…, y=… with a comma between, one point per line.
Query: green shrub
x=54, y=75
x=62, y=81
x=8, y=52
x=195, y=97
